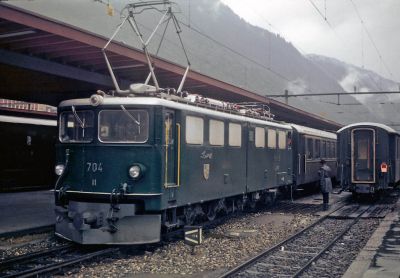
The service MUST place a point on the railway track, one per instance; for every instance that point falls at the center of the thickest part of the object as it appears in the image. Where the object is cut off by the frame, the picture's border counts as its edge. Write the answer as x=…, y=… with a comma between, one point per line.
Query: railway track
x=294, y=256
x=48, y=261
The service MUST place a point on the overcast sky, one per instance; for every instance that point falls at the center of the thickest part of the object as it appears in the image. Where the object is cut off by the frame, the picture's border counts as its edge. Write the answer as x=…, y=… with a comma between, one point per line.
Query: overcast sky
x=301, y=23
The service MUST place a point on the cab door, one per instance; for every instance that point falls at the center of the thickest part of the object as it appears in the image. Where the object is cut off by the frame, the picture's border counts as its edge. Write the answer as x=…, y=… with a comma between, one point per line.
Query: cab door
x=363, y=155
x=170, y=145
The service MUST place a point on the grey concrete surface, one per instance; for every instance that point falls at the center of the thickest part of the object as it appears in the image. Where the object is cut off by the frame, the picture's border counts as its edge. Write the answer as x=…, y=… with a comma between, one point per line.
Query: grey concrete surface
x=26, y=210
x=380, y=257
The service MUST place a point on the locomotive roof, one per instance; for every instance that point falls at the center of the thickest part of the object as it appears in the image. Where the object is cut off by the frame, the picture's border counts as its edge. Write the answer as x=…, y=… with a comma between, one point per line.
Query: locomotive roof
x=170, y=104
x=314, y=132
x=382, y=126
x=24, y=120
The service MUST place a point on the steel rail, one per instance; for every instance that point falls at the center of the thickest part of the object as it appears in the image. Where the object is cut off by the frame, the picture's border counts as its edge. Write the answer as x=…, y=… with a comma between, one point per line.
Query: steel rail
x=59, y=265
x=275, y=247
x=333, y=241
x=27, y=257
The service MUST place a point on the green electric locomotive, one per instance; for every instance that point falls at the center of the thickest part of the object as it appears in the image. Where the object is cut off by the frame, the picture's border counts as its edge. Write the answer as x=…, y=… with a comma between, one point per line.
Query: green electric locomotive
x=131, y=166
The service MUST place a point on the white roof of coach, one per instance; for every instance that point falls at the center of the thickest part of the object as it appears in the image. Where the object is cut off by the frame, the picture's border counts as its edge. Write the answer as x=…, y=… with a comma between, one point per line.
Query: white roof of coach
x=314, y=132
x=384, y=127
x=171, y=104
x=30, y=121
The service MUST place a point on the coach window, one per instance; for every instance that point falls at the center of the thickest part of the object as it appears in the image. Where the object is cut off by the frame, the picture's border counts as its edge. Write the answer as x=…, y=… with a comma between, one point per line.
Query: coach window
x=310, y=148
x=272, y=138
x=323, y=149
x=235, y=135
x=317, y=149
x=260, y=137
x=194, y=130
x=329, y=149
x=282, y=140
x=334, y=150
x=216, y=133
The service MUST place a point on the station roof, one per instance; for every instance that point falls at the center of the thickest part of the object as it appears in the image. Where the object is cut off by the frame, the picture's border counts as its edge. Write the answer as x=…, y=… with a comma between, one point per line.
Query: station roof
x=46, y=61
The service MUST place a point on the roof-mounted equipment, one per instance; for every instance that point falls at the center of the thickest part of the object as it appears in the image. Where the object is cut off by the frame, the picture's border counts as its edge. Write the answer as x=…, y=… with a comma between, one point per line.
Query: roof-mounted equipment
x=128, y=14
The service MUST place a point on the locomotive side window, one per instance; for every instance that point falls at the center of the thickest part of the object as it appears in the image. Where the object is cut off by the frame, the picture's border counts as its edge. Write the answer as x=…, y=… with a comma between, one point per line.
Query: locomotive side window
x=217, y=134
x=272, y=138
x=235, y=135
x=194, y=130
x=260, y=137
x=123, y=126
x=310, y=148
x=281, y=140
x=76, y=126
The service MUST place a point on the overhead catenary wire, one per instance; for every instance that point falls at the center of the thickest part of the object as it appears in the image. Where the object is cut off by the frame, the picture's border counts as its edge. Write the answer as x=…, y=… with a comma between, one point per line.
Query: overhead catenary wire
x=337, y=35
x=303, y=52
x=371, y=39
x=192, y=27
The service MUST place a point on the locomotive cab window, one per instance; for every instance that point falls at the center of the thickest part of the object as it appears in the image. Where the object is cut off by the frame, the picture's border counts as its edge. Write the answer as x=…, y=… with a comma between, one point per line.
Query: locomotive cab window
x=235, y=135
x=194, y=130
x=123, y=126
x=76, y=126
x=216, y=133
x=260, y=137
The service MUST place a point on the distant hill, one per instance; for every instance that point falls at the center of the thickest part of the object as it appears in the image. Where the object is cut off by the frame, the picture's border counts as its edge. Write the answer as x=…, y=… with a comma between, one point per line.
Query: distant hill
x=222, y=45
x=356, y=79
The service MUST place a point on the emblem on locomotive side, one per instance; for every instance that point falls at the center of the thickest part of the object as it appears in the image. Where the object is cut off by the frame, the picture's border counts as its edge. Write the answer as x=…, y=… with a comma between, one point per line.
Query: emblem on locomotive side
x=206, y=155
x=206, y=171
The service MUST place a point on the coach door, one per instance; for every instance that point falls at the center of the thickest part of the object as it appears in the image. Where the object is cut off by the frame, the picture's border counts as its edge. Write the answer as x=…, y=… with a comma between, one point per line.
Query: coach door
x=363, y=155
x=171, y=149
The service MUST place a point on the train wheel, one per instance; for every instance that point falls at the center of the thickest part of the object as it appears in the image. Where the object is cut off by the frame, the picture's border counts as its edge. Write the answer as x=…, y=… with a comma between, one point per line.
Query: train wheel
x=190, y=215
x=211, y=211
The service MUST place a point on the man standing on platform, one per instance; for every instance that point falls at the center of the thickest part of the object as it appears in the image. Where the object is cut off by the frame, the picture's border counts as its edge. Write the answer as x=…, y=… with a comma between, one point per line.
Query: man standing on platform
x=325, y=182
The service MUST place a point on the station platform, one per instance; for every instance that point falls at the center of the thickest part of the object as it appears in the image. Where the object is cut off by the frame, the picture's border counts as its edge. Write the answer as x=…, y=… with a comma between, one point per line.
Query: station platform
x=380, y=257
x=24, y=211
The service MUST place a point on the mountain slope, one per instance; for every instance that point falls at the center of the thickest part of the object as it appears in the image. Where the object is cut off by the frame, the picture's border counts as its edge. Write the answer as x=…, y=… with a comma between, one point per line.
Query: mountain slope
x=224, y=46
x=356, y=79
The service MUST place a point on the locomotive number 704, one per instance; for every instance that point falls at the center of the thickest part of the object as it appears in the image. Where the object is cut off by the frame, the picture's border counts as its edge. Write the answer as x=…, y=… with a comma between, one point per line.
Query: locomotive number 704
x=94, y=167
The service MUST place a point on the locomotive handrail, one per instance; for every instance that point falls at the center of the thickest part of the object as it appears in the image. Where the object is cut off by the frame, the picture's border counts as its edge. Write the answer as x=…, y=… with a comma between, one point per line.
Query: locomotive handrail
x=178, y=176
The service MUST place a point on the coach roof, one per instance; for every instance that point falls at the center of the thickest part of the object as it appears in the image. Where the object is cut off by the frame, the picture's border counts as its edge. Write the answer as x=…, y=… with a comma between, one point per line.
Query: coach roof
x=314, y=132
x=366, y=124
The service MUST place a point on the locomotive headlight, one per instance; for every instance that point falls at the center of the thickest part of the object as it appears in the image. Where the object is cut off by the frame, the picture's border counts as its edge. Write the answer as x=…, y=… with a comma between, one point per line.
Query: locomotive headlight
x=134, y=171
x=59, y=169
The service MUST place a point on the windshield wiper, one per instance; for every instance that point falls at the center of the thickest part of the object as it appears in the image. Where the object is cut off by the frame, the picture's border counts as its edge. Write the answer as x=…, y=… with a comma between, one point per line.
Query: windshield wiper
x=77, y=117
x=130, y=115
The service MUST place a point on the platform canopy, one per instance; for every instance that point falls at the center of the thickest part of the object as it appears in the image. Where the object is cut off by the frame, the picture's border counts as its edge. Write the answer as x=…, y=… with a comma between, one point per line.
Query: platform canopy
x=44, y=60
